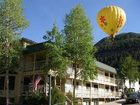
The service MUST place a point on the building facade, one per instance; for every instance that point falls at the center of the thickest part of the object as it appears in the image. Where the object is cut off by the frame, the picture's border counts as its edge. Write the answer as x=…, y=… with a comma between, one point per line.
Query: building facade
x=31, y=77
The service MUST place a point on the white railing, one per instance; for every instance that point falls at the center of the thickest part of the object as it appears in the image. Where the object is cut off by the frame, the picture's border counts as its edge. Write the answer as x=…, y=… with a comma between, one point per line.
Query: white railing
x=83, y=92
x=95, y=95
x=103, y=78
x=112, y=80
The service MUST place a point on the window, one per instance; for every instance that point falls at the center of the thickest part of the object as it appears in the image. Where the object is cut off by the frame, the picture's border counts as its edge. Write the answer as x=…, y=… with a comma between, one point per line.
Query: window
x=106, y=74
x=117, y=89
x=111, y=75
x=77, y=83
x=58, y=81
x=27, y=80
x=28, y=83
x=112, y=88
x=95, y=86
x=2, y=83
x=11, y=82
x=88, y=85
x=107, y=88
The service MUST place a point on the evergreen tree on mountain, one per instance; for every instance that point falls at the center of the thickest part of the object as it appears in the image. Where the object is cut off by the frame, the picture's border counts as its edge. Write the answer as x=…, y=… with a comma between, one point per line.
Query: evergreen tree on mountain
x=111, y=52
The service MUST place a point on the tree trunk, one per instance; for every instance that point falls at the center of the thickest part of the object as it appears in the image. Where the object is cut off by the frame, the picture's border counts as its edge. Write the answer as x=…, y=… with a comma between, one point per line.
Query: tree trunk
x=74, y=83
x=129, y=84
x=7, y=87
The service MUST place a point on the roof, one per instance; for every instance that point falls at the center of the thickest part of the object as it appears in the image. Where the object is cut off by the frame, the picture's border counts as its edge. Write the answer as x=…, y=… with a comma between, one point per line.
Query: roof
x=28, y=40
x=105, y=67
x=34, y=48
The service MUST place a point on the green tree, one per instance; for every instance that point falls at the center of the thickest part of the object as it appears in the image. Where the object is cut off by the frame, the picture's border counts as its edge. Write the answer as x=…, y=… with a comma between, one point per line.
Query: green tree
x=79, y=44
x=55, y=59
x=129, y=69
x=12, y=23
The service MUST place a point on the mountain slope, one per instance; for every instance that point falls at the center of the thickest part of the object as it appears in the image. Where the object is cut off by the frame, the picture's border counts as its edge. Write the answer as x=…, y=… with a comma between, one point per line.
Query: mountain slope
x=111, y=51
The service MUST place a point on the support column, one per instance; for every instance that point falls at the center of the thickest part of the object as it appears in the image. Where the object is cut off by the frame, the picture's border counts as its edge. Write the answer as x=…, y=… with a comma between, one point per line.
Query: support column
x=50, y=89
x=104, y=94
x=115, y=92
x=109, y=93
x=90, y=93
x=109, y=77
x=82, y=93
x=34, y=63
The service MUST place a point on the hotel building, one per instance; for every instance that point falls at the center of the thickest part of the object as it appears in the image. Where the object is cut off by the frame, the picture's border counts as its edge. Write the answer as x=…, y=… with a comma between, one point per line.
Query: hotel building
x=93, y=92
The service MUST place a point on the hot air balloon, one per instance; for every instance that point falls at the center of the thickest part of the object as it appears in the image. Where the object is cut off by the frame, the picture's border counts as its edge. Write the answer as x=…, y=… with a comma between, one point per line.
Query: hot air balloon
x=111, y=19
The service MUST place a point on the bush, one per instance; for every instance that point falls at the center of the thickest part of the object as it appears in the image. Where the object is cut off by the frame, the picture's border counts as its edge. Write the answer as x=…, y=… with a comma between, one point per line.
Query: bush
x=36, y=98
x=58, y=97
x=130, y=90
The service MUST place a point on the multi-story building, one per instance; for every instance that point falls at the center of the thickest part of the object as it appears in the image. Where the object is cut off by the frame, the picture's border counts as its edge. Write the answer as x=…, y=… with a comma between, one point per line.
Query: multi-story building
x=93, y=92
x=102, y=89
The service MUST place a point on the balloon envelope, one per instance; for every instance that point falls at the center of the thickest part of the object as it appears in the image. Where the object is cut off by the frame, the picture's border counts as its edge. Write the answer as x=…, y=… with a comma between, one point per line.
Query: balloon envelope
x=111, y=19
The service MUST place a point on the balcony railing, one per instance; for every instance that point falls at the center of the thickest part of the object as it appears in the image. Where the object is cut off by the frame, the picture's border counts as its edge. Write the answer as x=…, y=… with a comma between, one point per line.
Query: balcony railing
x=83, y=92
x=28, y=66
x=38, y=65
x=103, y=78
x=28, y=89
x=98, y=94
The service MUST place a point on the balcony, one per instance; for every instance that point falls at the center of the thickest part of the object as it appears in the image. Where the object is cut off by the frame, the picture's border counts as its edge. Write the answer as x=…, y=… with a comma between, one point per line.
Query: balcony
x=84, y=92
x=28, y=89
x=107, y=79
x=29, y=66
x=96, y=94
x=11, y=93
x=39, y=65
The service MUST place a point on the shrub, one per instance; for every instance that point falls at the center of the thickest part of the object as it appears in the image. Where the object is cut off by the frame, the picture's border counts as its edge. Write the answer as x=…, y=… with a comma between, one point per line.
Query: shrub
x=58, y=97
x=36, y=98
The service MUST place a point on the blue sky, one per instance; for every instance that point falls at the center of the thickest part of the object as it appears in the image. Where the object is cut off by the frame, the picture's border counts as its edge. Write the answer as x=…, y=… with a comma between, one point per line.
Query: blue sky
x=41, y=15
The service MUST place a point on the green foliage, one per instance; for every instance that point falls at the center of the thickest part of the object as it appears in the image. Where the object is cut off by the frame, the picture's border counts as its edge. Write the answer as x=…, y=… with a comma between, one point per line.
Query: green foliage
x=79, y=45
x=55, y=59
x=129, y=69
x=12, y=22
x=111, y=52
x=130, y=90
x=58, y=97
x=35, y=99
x=70, y=96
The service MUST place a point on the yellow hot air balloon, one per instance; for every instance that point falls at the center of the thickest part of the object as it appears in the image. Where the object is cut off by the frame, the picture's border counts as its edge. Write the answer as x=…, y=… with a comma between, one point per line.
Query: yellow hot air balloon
x=111, y=19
